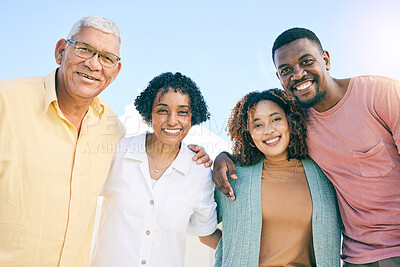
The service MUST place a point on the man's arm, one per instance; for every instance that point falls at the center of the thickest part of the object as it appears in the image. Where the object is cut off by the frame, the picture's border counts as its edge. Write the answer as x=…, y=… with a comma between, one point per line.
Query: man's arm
x=211, y=240
x=201, y=155
x=388, y=110
x=224, y=164
x=386, y=104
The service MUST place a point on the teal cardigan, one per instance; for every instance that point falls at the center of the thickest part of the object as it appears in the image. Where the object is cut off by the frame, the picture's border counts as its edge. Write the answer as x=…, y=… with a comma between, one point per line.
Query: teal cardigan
x=241, y=219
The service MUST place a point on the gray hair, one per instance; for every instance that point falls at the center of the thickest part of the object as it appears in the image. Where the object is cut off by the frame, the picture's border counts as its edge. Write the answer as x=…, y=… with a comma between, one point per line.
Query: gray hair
x=99, y=23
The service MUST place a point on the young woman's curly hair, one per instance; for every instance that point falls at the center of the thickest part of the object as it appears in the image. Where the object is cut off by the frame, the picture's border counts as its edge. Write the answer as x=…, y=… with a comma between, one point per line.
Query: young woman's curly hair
x=243, y=151
x=179, y=83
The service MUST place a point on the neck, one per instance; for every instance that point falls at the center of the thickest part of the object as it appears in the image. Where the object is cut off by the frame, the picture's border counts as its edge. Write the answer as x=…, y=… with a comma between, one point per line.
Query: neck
x=73, y=109
x=335, y=90
x=158, y=150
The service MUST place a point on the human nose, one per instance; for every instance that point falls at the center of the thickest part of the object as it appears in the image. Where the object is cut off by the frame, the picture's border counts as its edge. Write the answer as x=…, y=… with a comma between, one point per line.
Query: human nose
x=172, y=119
x=94, y=62
x=298, y=73
x=269, y=128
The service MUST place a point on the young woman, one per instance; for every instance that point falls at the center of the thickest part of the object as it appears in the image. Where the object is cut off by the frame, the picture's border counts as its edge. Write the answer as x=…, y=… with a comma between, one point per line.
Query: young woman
x=155, y=194
x=285, y=212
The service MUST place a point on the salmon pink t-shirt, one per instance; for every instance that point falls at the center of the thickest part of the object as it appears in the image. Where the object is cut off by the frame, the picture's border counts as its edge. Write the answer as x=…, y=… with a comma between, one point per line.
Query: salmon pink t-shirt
x=357, y=145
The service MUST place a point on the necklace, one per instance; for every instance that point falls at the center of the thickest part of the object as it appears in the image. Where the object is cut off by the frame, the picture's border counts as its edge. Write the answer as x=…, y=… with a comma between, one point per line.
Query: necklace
x=276, y=178
x=157, y=170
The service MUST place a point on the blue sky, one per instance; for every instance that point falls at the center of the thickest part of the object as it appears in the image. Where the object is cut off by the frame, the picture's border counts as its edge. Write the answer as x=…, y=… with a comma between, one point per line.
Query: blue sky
x=224, y=46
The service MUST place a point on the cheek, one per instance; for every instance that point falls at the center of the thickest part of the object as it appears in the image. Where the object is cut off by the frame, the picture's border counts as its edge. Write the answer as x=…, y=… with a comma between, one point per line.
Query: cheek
x=254, y=136
x=283, y=128
x=186, y=121
x=285, y=85
x=187, y=124
x=110, y=76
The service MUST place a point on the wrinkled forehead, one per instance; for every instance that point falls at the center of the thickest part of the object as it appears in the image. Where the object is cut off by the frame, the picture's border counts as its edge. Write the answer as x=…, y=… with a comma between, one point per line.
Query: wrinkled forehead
x=100, y=40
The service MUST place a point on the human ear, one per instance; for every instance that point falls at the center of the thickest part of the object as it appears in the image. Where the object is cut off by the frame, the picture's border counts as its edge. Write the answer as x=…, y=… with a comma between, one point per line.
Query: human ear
x=118, y=68
x=59, y=51
x=327, y=59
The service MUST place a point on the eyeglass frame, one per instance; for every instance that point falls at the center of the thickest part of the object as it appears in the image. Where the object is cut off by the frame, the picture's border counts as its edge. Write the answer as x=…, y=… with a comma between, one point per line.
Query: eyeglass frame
x=100, y=53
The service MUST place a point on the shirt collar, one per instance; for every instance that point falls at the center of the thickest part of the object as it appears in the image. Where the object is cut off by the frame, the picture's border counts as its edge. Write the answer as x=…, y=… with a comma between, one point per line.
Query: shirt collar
x=51, y=96
x=137, y=151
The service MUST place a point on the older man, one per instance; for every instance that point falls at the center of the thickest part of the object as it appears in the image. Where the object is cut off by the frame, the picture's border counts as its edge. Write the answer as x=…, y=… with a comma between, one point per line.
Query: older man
x=354, y=136
x=57, y=140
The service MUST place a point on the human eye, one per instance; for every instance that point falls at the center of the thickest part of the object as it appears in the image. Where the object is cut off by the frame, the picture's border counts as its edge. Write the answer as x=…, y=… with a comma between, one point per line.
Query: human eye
x=84, y=49
x=284, y=71
x=108, y=58
x=276, y=119
x=257, y=125
x=183, y=113
x=307, y=62
x=82, y=46
x=162, y=111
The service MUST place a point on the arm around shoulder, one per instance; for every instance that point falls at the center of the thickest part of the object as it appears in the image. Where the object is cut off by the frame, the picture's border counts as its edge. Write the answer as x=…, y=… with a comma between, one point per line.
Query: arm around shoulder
x=212, y=240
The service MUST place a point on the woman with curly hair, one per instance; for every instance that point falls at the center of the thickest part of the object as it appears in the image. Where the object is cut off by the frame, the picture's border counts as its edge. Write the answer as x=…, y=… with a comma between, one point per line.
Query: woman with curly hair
x=285, y=212
x=155, y=193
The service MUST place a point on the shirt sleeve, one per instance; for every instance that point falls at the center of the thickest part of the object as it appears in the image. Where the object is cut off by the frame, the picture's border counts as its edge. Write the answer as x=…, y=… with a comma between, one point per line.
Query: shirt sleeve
x=203, y=221
x=388, y=109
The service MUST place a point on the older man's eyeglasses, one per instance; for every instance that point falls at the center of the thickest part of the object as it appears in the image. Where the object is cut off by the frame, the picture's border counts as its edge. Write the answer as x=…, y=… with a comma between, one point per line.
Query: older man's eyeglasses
x=86, y=51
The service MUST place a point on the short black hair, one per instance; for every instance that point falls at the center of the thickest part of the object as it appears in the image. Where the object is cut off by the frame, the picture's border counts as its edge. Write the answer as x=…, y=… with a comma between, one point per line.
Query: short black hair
x=177, y=82
x=294, y=34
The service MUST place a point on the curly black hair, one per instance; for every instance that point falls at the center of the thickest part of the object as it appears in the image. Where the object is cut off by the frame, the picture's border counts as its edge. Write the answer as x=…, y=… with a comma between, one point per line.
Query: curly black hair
x=294, y=34
x=243, y=151
x=178, y=82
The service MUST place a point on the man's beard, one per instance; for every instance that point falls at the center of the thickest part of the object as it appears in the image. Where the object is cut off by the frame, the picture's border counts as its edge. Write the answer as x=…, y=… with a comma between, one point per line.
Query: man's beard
x=319, y=96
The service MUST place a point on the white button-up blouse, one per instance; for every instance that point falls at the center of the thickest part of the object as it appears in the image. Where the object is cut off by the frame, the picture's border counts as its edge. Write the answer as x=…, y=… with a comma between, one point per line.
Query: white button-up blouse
x=146, y=225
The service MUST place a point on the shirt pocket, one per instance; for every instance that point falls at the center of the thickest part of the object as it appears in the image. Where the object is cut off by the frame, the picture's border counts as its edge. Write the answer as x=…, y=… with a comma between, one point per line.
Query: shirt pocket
x=174, y=213
x=376, y=162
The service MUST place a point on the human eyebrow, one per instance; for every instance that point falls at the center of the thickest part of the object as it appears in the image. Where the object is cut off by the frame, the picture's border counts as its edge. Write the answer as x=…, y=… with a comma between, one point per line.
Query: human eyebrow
x=162, y=104
x=281, y=66
x=255, y=120
x=183, y=106
x=304, y=56
x=274, y=113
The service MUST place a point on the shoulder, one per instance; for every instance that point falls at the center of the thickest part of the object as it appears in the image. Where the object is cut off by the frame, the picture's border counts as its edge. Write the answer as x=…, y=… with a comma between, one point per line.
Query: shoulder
x=374, y=82
x=21, y=85
x=134, y=143
x=193, y=167
x=251, y=170
x=18, y=94
x=311, y=168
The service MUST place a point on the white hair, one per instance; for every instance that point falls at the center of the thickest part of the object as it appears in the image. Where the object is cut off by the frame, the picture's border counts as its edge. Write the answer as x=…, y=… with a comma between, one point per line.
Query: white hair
x=99, y=23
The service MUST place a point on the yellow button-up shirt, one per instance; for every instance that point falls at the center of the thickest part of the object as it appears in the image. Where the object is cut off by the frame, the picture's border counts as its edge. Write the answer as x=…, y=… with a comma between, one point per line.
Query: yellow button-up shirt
x=50, y=177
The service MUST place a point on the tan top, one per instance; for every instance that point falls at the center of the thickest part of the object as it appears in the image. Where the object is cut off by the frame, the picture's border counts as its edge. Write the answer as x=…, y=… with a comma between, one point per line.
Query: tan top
x=286, y=235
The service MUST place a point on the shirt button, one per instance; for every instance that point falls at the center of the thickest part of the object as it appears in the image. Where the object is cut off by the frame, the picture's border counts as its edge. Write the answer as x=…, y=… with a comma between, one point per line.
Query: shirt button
x=147, y=232
x=151, y=202
x=143, y=262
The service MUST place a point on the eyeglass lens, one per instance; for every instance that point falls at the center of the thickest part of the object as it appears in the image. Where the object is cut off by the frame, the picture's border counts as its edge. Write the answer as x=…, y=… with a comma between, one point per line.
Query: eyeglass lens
x=87, y=51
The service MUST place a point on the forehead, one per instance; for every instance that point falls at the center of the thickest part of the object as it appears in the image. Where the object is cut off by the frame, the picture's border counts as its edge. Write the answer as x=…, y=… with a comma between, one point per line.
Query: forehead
x=98, y=39
x=265, y=108
x=172, y=98
x=295, y=50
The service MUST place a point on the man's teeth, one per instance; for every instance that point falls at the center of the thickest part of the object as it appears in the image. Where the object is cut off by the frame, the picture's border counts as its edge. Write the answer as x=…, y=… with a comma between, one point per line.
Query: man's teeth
x=304, y=85
x=86, y=76
x=172, y=131
x=272, y=140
